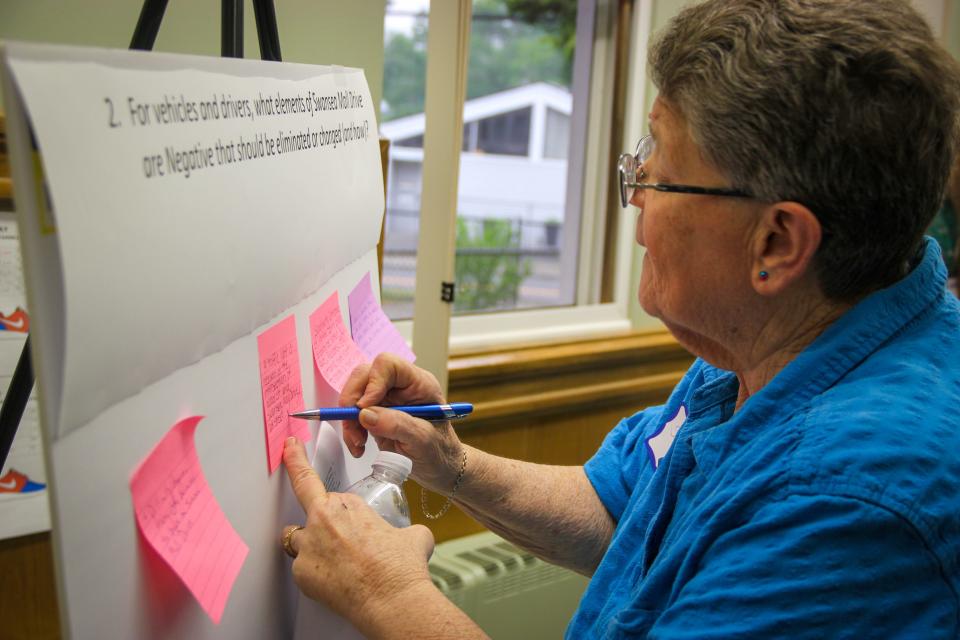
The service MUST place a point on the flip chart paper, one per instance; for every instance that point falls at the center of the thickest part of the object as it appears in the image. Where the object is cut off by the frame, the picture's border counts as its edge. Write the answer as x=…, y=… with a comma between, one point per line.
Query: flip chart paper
x=104, y=120
x=334, y=352
x=371, y=328
x=180, y=518
x=266, y=239
x=281, y=388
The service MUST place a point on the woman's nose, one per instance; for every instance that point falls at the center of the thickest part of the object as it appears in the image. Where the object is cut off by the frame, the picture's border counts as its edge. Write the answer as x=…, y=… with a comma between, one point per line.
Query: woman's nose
x=636, y=198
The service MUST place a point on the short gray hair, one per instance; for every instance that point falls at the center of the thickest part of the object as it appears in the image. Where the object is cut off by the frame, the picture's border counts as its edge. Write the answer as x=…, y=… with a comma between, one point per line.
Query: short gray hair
x=850, y=107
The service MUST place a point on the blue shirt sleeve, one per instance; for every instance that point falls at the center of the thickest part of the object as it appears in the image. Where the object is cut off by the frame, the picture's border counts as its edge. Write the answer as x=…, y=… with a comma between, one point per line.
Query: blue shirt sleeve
x=622, y=464
x=617, y=468
x=814, y=567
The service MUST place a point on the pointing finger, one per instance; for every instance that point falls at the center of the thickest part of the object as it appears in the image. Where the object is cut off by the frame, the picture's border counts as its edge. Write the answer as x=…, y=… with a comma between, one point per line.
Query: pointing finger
x=304, y=481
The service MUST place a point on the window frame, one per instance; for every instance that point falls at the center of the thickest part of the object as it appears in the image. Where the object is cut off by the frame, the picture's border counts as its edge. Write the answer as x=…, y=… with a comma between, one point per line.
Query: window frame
x=590, y=198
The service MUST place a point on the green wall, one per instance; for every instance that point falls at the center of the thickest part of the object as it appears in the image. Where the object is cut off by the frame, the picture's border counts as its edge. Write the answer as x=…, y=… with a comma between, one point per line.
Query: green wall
x=311, y=31
x=952, y=28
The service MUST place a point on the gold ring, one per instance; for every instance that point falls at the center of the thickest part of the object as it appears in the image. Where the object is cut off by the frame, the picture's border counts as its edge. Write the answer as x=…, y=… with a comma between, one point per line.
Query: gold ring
x=287, y=538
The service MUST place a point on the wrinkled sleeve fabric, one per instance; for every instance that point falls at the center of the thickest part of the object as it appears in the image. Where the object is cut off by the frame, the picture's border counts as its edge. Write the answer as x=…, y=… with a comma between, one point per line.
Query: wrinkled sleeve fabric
x=815, y=566
x=620, y=465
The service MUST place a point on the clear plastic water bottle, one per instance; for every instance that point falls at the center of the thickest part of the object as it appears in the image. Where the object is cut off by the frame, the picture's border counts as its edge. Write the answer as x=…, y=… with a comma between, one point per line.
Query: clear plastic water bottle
x=383, y=491
x=383, y=488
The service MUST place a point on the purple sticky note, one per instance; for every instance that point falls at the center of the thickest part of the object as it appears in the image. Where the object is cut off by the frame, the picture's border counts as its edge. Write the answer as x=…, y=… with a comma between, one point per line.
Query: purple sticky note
x=370, y=326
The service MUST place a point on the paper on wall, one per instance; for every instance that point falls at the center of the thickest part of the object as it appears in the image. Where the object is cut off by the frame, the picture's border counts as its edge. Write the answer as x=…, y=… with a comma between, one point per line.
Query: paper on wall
x=23, y=477
x=169, y=155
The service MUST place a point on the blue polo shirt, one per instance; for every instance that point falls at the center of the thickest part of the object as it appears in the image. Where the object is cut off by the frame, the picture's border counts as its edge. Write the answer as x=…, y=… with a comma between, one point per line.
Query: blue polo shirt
x=827, y=507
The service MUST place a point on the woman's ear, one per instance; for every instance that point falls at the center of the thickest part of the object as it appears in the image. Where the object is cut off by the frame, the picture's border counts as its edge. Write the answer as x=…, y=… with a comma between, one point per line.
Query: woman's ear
x=786, y=239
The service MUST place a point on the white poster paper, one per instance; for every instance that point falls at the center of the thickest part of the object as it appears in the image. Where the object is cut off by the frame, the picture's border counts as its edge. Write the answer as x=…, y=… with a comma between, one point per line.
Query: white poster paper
x=178, y=207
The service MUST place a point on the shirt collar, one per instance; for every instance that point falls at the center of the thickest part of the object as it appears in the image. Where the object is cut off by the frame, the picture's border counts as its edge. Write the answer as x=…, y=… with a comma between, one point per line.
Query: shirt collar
x=848, y=341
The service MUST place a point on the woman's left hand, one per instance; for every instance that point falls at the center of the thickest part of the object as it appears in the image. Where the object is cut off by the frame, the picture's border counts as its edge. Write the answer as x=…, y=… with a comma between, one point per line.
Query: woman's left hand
x=346, y=555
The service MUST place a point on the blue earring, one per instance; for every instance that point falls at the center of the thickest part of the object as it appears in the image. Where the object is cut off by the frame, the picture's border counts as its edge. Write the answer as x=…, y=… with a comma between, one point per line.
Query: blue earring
x=764, y=275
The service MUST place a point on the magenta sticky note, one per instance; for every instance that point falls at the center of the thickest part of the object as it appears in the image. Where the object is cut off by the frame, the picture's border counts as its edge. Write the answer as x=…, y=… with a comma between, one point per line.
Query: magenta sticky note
x=334, y=352
x=371, y=328
x=281, y=388
x=181, y=520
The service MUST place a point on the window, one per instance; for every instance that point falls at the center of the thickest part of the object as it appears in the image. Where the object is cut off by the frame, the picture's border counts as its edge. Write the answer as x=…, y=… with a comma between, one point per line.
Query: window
x=412, y=141
x=532, y=198
x=505, y=133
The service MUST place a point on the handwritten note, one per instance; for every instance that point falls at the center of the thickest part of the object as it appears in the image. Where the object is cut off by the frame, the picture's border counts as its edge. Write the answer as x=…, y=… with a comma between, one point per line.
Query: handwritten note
x=371, y=328
x=334, y=352
x=181, y=520
x=281, y=388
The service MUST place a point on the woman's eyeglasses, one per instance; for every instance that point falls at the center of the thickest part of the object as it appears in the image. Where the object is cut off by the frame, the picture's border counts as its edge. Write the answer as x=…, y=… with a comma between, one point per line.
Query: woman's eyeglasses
x=630, y=170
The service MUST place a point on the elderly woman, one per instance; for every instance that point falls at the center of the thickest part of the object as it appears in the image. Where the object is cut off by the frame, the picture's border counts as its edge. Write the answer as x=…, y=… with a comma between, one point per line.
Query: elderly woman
x=803, y=477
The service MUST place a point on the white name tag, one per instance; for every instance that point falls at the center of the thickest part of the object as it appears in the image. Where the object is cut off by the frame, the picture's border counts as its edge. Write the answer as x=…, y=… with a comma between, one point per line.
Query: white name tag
x=659, y=443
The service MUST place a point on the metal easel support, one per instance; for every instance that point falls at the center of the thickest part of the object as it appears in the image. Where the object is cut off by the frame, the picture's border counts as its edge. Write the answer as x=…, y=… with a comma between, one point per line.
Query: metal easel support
x=15, y=401
x=231, y=27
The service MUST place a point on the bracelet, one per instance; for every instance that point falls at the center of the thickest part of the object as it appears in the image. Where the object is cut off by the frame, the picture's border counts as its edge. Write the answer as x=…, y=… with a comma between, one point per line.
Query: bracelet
x=446, y=505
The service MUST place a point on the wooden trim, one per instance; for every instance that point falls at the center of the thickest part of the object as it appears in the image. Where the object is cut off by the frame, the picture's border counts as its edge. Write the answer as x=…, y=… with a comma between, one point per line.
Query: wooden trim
x=567, y=400
x=28, y=593
x=384, y=166
x=611, y=219
x=6, y=184
x=475, y=366
x=573, y=377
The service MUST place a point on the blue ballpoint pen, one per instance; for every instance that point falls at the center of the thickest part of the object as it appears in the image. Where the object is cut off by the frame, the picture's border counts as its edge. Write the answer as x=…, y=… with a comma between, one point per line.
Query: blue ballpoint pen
x=432, y=412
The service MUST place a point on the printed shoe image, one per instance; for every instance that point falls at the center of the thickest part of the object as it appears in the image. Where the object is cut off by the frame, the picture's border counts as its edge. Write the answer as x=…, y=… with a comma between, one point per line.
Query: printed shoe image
x=17, y=321
x=15, y=482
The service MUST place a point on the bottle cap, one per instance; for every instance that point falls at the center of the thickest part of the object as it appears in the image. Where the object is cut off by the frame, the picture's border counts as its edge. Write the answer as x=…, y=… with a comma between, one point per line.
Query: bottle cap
x=394, y=461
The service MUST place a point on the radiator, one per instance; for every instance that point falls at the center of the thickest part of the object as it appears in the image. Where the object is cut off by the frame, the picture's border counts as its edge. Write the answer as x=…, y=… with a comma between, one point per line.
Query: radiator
x=507, y=591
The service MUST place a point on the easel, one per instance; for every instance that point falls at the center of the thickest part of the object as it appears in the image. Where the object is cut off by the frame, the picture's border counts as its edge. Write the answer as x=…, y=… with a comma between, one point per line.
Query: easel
x=144, y=35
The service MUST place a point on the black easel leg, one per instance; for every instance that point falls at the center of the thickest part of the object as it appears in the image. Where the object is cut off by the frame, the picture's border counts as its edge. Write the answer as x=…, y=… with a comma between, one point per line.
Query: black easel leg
x=148, y=25
x=15, y=401
x=266, y=17
x=231, y=29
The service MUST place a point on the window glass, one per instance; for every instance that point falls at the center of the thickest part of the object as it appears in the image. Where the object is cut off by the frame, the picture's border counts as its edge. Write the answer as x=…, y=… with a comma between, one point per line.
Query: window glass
x=504, y=133
x=511, y=209
x=402, y=122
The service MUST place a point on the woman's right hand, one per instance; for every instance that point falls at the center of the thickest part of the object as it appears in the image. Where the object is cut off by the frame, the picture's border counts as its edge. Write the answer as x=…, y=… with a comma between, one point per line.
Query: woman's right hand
x=434, y=447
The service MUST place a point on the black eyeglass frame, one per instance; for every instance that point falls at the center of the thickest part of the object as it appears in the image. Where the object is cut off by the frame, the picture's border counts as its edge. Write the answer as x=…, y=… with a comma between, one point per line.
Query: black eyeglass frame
x=627, y=167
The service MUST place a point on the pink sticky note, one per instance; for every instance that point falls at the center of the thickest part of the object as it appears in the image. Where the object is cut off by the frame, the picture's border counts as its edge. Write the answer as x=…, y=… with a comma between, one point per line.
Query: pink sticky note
x=334, y=352
x=370, y=326
x=181, y=520
x=281, y=388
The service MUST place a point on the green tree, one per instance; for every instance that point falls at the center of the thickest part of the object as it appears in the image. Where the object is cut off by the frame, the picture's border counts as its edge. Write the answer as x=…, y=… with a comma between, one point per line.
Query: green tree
x=404, y=72
x=487, y=279
x=557, y=17
x=507, y=50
